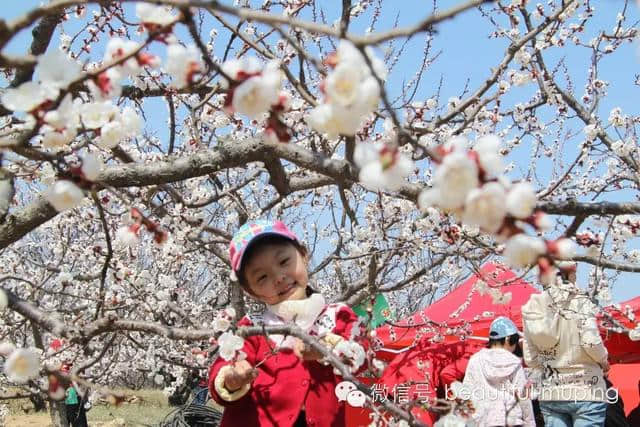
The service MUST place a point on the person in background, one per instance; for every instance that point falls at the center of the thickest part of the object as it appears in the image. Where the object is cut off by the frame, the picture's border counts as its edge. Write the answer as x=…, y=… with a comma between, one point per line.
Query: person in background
x=495, y=380
x=75, y=401
x=563, y=344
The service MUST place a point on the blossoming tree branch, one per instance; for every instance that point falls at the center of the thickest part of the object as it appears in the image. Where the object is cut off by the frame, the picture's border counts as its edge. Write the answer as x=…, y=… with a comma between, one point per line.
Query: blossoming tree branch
x=137, y=136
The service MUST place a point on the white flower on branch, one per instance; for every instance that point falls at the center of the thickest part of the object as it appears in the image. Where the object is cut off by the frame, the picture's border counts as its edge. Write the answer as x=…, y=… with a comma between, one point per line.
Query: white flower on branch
x=26, y=97
x=22, y=365
x=127, y=236
x=229, y=344
x=455, y=178
x=352, y=92
x=591, y=132
x=64, y=195
x=94, y=115
x=55, y=69
x=150, y=14
x=221, y=324
x=382, y=167
x=91, y=166
x=563, y=248
x=255, y=95
x=333, y=121
x=484, y=207
x=489, y=158
x=351, y=353
x=54, y=139
x=183, y=63
x=111, y=134
x=521, y=250
x=521, y=200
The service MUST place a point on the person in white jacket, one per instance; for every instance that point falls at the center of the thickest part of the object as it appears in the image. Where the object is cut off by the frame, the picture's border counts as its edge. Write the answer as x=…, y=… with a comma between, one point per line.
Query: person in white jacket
x=495, y=380
x=563, y=348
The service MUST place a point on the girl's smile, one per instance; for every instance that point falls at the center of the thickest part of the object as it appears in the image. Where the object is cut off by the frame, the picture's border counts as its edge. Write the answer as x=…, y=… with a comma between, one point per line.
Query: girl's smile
x=277, y=273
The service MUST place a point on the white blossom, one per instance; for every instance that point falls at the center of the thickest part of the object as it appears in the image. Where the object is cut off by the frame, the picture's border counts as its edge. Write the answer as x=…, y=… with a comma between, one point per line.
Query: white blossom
x=484, y=207
x=182, y=63
x=455, y=178
x=221, y=324
x=351, y=351
x=91, y=166
x=57, y=70
x=6, y=348
x=451, y=420
x=229, y=344
x=111, y=134
x=26, y=97
x=382, y=167
x=64, y=195
x=257, y=94
x=489, y=157
x=151, y=14
x=521, y=250
x=22, y=365
x=521, y=200
x=126, y=237
x=94, y=115
x=565, y=249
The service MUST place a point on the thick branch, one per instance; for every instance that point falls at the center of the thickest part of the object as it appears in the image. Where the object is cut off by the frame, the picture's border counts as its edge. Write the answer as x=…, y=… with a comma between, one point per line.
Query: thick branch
x=575, y=208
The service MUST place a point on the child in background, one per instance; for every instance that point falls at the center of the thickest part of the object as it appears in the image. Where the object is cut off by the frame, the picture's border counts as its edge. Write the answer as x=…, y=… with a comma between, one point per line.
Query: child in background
x=292, y=387
x=495, y=380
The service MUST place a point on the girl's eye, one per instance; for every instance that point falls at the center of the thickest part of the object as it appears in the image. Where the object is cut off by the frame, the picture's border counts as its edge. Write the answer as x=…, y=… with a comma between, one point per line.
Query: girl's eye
x=284, y=261
x=261, y=278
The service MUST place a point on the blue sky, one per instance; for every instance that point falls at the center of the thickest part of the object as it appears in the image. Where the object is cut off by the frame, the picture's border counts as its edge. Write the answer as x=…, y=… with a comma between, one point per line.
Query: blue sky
x=466, y=57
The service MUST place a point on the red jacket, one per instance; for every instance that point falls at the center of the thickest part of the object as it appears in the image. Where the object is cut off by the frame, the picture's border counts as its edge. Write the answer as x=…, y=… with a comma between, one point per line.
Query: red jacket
x=285, y=384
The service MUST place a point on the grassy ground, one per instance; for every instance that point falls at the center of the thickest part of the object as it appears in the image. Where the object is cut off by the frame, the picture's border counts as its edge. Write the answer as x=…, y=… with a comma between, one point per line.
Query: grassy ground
x=151, y=409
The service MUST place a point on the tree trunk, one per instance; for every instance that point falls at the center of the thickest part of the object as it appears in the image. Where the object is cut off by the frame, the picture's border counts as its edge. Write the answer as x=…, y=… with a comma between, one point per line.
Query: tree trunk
x=58, y=412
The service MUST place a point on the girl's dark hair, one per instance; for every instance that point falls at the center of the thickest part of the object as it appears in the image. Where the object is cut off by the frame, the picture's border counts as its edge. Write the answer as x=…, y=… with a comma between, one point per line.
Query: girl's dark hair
x=512, y=339
x=259, y=244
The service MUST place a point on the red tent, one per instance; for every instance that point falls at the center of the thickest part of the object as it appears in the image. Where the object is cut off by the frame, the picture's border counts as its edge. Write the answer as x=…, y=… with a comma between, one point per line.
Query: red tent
x=466, y=311
x=463, y=308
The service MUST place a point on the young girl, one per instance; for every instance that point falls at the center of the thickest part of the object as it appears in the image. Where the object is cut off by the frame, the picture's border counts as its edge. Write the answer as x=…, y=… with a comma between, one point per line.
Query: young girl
x=495, y=380
x=292, y=387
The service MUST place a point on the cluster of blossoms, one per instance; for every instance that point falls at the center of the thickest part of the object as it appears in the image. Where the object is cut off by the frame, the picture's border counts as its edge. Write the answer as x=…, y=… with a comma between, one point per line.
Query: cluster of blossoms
x=255, y=90
x=129, y=235
x=351, y=91
x=382, y=165
x=223, y=319
x=470, y=184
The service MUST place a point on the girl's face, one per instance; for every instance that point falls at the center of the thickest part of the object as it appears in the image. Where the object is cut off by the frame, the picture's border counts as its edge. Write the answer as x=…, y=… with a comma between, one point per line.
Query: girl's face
x=277, y=273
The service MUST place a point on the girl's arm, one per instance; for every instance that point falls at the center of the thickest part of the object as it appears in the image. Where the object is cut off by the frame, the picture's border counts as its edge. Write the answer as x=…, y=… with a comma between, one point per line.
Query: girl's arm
x=221, y=369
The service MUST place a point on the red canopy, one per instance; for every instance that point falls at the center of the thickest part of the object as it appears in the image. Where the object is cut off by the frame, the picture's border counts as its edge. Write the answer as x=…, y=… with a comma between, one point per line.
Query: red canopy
x=465, y=311
x=476, y=311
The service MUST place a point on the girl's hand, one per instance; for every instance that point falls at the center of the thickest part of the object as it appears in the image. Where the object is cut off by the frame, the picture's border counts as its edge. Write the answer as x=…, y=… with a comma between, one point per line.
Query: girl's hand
x=242, y=373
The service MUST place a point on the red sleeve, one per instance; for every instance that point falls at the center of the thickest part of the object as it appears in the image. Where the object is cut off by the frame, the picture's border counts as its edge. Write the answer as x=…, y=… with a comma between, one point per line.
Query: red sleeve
x=454, y=371
x=250, y=348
